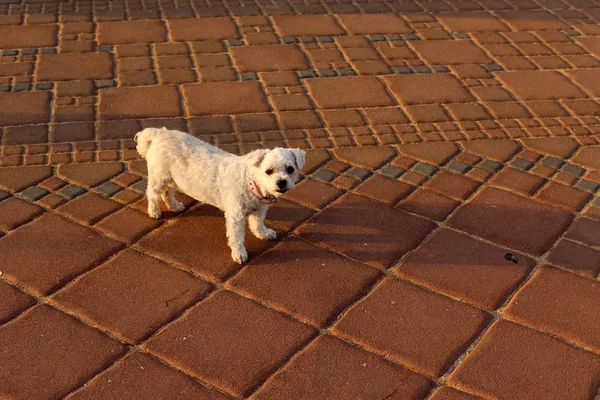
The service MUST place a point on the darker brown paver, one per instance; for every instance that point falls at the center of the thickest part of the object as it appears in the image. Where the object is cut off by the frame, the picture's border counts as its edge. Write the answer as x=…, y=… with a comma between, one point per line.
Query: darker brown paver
x=413, y=89
x=141, y=375
x=154, y=292
x=189, y=29
x=74, y=66
x=366, y=230
x=25, y=108
x=46, y=354
x=224, y=98
x=128, y=32
x=269, y=58
x=511, y=220
x=13, y=302
x=513, y=361
x=390, y=322
x=231, y=342
x=306, y=281
x=15, y=212
x=330, y=368
x=351, y=91
x=140, y=102
x=90, y=174
x=462, y=267
x=50, y=251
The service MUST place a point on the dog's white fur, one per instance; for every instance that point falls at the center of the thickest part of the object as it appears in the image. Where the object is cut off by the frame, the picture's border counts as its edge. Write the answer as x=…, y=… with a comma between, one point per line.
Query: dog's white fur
x=179, y=161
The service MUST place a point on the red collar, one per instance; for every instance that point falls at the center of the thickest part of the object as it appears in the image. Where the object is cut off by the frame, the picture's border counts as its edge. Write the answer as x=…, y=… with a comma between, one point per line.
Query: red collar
x=263, y=199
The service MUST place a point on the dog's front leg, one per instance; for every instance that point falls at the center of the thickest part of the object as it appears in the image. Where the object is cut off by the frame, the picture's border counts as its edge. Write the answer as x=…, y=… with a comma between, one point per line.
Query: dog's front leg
x=236, y=230
x=256, y=220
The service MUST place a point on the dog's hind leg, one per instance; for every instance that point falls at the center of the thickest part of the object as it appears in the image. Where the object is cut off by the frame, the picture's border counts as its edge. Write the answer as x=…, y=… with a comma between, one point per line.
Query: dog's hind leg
x=157, y=183
x=168, y=197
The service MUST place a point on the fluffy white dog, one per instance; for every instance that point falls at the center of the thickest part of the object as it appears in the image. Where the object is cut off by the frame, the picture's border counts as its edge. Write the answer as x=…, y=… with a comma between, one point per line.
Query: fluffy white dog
x=242, y=187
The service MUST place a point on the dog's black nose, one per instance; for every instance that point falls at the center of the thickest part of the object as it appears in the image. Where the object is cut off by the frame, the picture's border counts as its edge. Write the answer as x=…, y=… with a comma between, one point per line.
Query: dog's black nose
x=281, y=184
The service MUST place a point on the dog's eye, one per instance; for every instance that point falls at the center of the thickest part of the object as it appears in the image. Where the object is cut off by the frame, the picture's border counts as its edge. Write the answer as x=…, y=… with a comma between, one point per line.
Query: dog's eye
x=290, y=170
x=269, y=171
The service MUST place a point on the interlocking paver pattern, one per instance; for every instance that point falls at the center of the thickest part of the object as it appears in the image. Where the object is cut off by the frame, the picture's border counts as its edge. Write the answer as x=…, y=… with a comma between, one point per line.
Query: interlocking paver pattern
x=444, y=242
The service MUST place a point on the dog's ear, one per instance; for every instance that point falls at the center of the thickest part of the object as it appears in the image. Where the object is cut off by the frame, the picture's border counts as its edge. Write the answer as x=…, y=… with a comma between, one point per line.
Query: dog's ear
x=299, y=156
x=255, y=157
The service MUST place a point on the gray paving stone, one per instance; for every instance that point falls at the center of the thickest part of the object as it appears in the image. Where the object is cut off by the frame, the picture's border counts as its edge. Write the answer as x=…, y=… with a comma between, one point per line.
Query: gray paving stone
x=140, y=186
x=521, y=164
x=324, y=175
x=4, y=195
x=459, y=167
x=358, y=173
x=425, y=169
x=71, y=191
x=552, y=162
x=108, y=189
x=34, y=193
x=573, y=169
x=392, y=171
x=587, y=186
x=491, y=165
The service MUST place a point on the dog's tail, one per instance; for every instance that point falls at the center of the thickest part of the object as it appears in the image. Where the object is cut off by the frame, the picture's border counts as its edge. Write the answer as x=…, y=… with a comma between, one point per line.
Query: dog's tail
x=144, y=139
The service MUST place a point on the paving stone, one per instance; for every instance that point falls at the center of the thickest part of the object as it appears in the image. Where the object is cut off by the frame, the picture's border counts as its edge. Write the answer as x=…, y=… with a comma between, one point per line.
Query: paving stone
x=587, y=78
x=459, y=167
x=71, y=191
x=330, y=281
x=383, y=189
x=4, y=195
x=518, y=181
x=494, y=149
x=391, y=171
x=433, y=153
x=226, y=98
x=50, y=251
x=521, y=164
x=391, y=322
x=508, y=219
x=15, y=212
x=14, y=302
x=269, y=58
x=534, y=20
x=141, y=375
x=452, y=185
x=576, y=257
x=109, y=189
x=588, y=156
x=425, y=169
x=332, y=368
x=285, y=215
x=156, y=293
x=177, y=242
x=25, y=108
x=450, y=52
x=216, y=353
x=190, y=29
x=340, y=92
x=28, y=36
x=47, y=354
x=74, y=66
x=472, y=21
x=139, y=102
x=128, y=32
x=34, y=193
x=371, y=158
x=573, y=170
x=563, y=196
x=306, y=25
x=490, y=165
x=372, y=24
x=127, y=225
x=412, y=89
x=517, y=355
x=90, y=174
x=561, y=303
x=358, y=173
x=465, y=268
x=314, y=194
x=552, y=162
x=381, y=235
x=324, y=175
x=140, y=186
x=539, y=85
x=448, y=393
x=585, y=230
x=89, y=208
x=429, y=204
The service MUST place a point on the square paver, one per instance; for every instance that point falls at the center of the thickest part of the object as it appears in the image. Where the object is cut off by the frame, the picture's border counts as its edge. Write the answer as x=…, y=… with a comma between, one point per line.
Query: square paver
x=585, y=230
x=561, y=303
x=190, y=29
x=306, y=281
x=231, y=342
x=128, y=32
x=512, y=220
x=341, y=92
x=452, y=185
x=224, y=98
x=273, y=57
x=50, y=251
x=197, y=242
x=514, y=362
x=155, y=293
x=46, y=354
x=13, y=302
x=450, y=52
x=415, y=327
x=314, y=194
x=366, y=230
x=331, y=368
x=139, y=375
x=139, y=102
x=465, y=268
x=128, y=224
x=306, y=25
x=576, y=257
x=539, y=85
x=15, y=212
x=416, y=89
x=89, y=208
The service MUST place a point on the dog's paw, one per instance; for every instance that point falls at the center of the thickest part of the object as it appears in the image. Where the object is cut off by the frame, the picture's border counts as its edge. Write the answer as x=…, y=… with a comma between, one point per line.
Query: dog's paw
x=240, y=256
x=176, y=206
x=267, y=234
x=154, y=213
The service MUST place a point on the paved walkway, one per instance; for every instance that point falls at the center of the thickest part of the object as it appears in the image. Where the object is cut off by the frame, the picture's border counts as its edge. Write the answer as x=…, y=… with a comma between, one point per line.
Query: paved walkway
x=444, y=244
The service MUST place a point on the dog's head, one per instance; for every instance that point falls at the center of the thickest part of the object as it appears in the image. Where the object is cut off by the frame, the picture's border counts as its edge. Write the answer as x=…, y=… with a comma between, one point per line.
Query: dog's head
x=276, y=171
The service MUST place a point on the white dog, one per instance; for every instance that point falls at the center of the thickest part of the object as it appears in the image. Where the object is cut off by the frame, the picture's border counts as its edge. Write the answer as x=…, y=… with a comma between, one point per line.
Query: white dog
x=242, y=187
